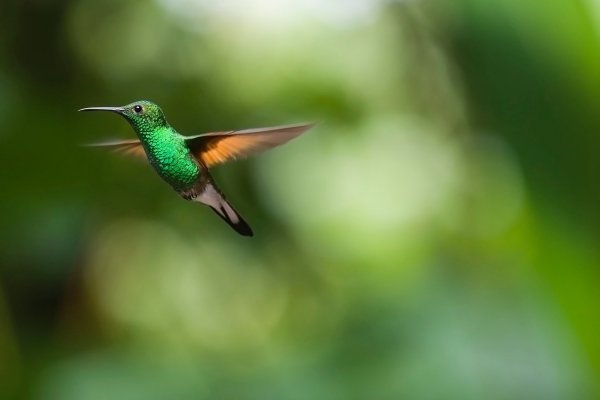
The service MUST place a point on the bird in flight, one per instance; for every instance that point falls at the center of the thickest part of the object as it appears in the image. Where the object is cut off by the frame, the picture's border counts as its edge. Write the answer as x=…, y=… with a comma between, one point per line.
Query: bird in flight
x=184, y=161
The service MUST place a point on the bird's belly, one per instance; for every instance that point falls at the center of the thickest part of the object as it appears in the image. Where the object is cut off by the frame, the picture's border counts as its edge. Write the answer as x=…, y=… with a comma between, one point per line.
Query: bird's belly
x=179, y=170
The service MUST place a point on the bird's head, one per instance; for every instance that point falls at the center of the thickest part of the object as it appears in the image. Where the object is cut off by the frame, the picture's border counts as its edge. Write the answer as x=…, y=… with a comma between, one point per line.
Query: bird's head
x=143, y=115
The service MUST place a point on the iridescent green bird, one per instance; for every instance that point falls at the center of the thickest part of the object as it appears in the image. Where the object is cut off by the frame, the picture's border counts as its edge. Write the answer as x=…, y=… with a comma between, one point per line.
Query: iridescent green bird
x=184, y=161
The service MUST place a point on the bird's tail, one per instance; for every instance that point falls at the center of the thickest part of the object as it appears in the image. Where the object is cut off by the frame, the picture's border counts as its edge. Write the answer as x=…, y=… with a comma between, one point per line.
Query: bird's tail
x=212, y=197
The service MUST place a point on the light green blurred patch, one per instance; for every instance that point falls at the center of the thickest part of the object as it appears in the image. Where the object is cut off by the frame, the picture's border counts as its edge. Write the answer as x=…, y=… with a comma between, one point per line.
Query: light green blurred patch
x=365, y=197
x=471, y=345
x=120, y=376
x=187, y=294
x=119, y=42
x=493, y=191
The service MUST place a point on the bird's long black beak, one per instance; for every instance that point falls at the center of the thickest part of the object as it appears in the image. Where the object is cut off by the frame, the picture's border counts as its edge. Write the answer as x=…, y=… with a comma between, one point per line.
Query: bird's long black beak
x=118, y=110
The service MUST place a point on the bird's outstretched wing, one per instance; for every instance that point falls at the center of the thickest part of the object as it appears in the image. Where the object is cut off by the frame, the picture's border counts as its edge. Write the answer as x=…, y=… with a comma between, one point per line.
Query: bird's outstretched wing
x=219, y=147
x=131, y=147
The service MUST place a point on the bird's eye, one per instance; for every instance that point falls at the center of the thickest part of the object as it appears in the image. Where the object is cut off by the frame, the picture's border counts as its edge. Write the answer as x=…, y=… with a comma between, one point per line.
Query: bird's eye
x=138, y=109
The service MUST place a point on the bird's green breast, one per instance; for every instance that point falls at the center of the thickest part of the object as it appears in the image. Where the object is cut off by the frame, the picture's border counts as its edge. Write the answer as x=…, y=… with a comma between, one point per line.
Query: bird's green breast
x=170, y=157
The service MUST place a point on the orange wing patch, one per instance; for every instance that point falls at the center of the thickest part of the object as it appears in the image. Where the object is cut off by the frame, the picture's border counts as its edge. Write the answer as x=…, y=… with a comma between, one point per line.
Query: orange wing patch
x=219, y=147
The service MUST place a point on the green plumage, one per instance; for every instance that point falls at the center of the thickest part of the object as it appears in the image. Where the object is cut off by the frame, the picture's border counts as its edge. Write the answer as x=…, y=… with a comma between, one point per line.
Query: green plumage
x=165, y=147
x=171, y=158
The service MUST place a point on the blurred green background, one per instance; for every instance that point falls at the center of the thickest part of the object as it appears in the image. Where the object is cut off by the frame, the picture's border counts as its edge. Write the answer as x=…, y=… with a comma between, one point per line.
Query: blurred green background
x=434, y=237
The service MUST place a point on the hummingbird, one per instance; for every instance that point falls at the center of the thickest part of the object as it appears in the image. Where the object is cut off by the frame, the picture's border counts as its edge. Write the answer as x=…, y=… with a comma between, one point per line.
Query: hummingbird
x=184, y=161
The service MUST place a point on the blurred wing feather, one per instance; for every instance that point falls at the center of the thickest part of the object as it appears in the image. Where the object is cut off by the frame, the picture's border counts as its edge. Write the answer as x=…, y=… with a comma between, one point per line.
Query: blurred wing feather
x=219, y=147
x=127, y=147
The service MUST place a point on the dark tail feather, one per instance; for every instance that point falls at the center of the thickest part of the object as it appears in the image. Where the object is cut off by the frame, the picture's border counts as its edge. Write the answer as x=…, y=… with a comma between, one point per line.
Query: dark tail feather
x=212, y=197
x=235, y=220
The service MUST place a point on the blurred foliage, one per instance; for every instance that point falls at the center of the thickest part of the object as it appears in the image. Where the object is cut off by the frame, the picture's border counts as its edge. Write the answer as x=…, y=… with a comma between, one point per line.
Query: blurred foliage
x=435, y=236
